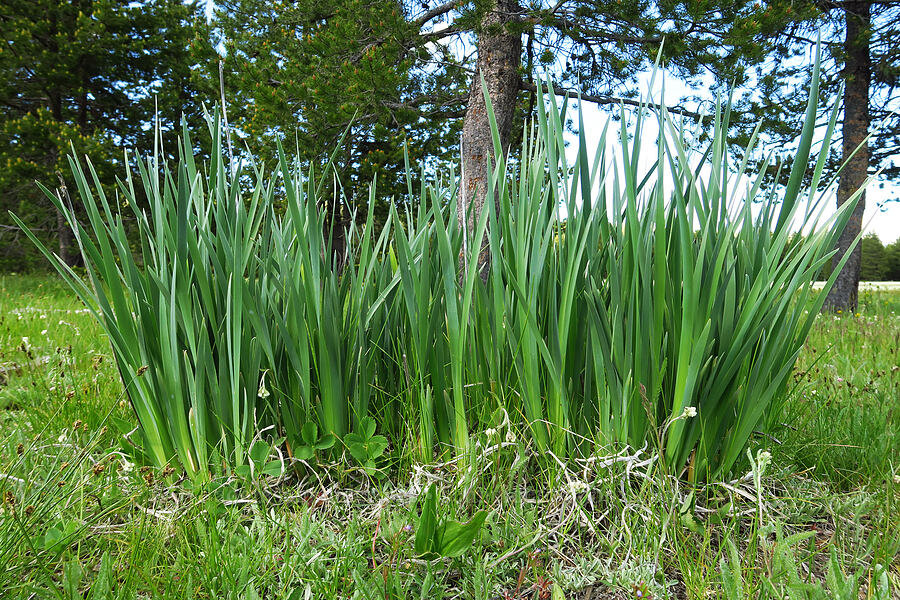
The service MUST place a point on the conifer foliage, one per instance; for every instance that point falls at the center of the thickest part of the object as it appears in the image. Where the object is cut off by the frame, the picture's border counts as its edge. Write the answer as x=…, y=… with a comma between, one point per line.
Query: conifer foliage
x=93, y=74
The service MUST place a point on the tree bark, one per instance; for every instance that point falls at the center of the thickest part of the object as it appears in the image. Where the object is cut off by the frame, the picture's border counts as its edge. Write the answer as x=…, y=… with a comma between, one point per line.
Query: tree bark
x=857, y=77
x=499, y=57
x=62, y=228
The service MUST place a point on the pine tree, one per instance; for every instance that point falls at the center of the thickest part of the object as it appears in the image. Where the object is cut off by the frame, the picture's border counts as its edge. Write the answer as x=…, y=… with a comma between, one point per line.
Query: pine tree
x=314, y=73
x=873, y=259
x=93, y=74
x=892, y=261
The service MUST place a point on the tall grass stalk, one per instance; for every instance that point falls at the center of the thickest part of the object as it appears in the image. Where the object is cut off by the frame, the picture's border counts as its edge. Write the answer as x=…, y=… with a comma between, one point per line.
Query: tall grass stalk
x=624, y=303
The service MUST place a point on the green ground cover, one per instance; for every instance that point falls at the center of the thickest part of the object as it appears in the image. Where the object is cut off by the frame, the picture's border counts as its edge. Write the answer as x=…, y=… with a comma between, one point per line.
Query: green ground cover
x=816, y=516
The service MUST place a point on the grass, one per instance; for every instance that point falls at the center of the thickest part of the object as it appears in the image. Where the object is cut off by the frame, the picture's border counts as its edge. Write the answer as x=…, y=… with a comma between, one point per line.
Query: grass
x=848, y=389
x=80, y=520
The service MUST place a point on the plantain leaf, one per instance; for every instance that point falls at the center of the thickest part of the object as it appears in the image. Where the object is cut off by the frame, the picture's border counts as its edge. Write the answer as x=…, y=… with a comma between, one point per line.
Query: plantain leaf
x=427, y=523
x=454, y=538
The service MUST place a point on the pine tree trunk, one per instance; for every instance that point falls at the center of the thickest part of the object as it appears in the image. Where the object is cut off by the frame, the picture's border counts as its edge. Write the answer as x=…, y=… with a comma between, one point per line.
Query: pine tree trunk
x=499, y=56
x=65, y=239
x=63, y=232
x=857, y=76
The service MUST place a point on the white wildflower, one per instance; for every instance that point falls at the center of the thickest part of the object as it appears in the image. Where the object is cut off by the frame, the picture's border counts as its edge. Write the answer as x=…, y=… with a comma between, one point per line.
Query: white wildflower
x=577, y=486
x=62, y=438
x=510, y=436
x=689, y=412
x=263, y=392
x=43, y=332
x=897, y=479
x=490, y=432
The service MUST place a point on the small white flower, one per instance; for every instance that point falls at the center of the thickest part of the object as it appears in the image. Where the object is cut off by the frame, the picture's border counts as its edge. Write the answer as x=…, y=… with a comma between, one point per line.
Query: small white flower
x=510, y=436
x=43, y=332
x=62, y=438
x=577, y=486
x=490, y=432
x=127, y=466
x=897, y=479
x=263, y=392
x=689, y=412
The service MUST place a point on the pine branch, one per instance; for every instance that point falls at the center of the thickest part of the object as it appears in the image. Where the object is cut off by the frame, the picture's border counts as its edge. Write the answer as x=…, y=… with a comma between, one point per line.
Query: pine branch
x=437, y=11
x=607, y=100
x=433, y=36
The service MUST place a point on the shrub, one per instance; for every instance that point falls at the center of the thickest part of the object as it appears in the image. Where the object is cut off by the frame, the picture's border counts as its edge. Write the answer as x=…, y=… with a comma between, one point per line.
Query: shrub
x=623, y=305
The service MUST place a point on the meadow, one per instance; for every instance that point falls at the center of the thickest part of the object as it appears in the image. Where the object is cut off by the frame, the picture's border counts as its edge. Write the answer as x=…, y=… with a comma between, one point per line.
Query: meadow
x=819, y=519
x=639, y=400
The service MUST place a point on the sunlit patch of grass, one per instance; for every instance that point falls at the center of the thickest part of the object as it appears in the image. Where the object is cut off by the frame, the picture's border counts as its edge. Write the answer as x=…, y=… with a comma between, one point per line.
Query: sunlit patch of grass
x=843, y=420
x=55, y=363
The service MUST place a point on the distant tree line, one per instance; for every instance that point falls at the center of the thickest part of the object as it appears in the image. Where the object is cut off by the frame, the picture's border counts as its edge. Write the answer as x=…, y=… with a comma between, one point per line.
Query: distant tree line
x=877, y=261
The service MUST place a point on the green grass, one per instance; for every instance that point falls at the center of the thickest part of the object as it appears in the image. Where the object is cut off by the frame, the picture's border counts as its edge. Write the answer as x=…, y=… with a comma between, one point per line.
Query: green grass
x=848, y=395
x=606, y=523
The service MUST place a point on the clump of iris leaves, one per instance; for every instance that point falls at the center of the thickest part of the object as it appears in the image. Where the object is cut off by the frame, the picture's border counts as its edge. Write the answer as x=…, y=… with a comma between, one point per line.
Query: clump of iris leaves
x=624, y=304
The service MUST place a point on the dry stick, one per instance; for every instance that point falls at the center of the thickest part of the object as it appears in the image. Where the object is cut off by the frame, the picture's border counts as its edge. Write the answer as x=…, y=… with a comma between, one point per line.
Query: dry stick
x=462, y=196
x=225, y=118
x=374, y=539
x=61, y=192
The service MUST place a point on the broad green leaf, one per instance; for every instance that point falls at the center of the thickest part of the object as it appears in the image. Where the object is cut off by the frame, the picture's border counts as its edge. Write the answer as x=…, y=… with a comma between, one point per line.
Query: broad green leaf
x=454, y=538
